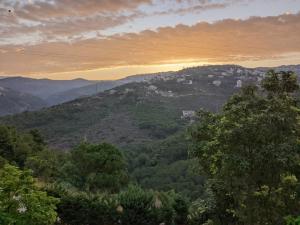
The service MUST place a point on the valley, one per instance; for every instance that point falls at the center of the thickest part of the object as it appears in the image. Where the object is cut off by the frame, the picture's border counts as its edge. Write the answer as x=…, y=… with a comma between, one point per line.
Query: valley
x=147, y=120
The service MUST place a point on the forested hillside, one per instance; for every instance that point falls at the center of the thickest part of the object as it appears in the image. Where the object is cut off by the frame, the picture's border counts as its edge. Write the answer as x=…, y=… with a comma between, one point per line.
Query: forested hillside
x=243, y=168
x=138, y=112
x=147, y=120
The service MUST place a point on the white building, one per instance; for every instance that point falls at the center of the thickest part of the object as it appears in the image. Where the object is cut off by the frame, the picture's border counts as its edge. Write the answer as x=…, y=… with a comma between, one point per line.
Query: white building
x=188, y=114
x=217, y=83
x=152, y=88
x=238, y=84
x=180, y=80
x=112, y=91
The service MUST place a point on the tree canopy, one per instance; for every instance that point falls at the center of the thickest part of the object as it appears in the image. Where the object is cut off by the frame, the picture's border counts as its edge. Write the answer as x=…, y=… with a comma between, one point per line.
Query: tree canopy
x=96, y=167
x=16, y=147
x=250, y=152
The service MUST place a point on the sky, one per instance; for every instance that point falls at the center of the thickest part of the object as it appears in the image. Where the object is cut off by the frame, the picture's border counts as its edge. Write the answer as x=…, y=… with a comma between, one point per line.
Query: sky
x=111, y=39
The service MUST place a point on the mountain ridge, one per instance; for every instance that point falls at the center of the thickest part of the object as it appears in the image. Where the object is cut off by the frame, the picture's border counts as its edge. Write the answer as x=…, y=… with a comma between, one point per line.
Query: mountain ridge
x=12, y=101
x=149, y=110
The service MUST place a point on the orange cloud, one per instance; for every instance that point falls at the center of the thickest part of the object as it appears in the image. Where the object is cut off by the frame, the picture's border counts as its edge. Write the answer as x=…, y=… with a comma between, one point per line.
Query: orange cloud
x=52, y=20
x=37, y=21
x=229, y=40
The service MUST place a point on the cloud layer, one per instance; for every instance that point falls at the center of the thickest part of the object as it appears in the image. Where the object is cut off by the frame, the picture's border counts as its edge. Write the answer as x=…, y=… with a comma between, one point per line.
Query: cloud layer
x=62, y=19
x=65, y=20
x=56, y=36
x=229, y=40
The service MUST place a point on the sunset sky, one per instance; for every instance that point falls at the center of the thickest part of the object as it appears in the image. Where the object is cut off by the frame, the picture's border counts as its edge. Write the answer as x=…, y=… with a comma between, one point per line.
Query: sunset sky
x=110, y=39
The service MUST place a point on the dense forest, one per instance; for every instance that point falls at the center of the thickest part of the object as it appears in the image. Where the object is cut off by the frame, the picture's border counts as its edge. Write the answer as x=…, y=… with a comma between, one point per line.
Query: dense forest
x=241, y=167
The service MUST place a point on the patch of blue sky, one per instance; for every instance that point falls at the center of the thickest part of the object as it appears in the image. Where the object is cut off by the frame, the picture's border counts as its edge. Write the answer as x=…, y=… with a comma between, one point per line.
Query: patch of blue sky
x=238, y=10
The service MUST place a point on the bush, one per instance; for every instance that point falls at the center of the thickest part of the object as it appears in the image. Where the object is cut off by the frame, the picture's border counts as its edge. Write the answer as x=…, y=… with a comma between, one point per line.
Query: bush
x=80, y=208
x=131, y=206
x=137, y=206
x=152, y=208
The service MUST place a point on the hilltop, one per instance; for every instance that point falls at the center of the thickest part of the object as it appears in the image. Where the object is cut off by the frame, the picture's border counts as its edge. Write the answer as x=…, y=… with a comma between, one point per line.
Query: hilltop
x=41, y=88
x=138, y=112
x=53, y=92
x=147, y=120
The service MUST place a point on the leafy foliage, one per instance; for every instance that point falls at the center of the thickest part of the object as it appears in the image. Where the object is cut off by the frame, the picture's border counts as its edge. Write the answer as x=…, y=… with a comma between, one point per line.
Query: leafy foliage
x=252, y=150
x=21, y=202
x=80, y=208
x=47, y=164
x=16, y=147
x=131, y=206
x=96, y=167
x=164, y=165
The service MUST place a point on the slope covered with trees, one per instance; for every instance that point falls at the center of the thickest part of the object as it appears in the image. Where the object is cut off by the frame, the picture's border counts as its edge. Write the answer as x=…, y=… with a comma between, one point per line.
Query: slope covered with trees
x=250, y=153
x=246, y=156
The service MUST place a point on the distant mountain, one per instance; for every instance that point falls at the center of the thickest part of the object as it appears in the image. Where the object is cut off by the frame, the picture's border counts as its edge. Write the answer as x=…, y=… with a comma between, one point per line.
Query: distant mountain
x=137, y=112
x=58, y=91
x=97, y=87
x=41, y=88
x=12, y=102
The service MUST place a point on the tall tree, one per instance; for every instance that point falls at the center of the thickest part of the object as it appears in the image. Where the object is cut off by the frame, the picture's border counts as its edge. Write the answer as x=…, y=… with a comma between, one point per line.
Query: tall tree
x=96, y=167
x=15, y=147
x=251, y=150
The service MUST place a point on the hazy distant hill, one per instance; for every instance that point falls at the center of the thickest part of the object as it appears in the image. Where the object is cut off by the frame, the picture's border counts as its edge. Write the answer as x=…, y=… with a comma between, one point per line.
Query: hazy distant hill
x=138, y=112
x=92, y=89
x=97, y=87
x=12, y=102
x=58, y=91
x=41, y=88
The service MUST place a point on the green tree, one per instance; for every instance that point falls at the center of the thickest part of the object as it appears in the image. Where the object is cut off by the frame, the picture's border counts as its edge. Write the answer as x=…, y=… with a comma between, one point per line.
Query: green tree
x=82, y=208
x=46, y=164
x=96, y=167
x=251, y=151
x=37, y=139
x=15, y=147
x=21, y=203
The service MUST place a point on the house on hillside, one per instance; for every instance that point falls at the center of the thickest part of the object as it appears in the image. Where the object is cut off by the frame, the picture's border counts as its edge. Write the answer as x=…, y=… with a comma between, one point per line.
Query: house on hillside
x=152, y=88
x=217, y=83
x=188, y=114
x=180, y=80
x=238, y=84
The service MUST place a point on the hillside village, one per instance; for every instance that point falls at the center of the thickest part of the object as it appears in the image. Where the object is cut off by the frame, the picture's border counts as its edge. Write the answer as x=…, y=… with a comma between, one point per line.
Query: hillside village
x=162, y=101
